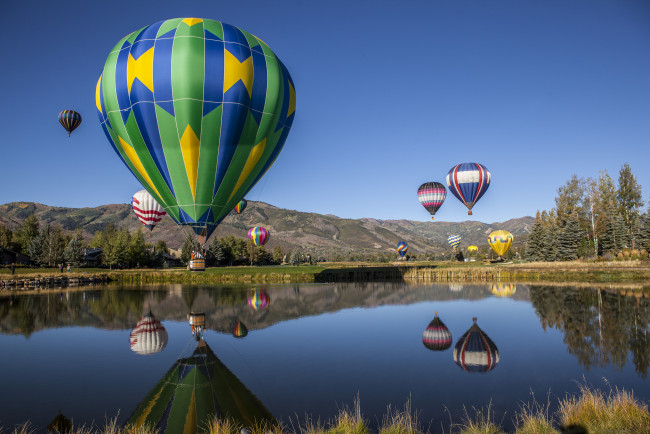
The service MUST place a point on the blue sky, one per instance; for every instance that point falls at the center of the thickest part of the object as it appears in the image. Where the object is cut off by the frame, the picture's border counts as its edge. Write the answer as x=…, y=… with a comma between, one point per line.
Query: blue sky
x=389, y=95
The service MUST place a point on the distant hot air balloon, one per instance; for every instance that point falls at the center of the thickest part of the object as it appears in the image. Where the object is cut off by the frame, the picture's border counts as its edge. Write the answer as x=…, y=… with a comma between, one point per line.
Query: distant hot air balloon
x=149, y=336
x=468, y=182
x=258, y=235
x=239, y=330
x=241, y=206
x=475, y=351
x=145, y=207
x=197, y=324
x=196, y=390
x=70, y=120
x=500, y=241
x=436, y=336
x=472, y=249
x=453, y=241
x=259, y=299
x=431, y=195
x=503, y=289
x=198, y=110
x=402, y=248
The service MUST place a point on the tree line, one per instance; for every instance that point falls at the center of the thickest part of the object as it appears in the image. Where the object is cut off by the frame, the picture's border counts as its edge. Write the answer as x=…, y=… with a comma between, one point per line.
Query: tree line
x=592, y=218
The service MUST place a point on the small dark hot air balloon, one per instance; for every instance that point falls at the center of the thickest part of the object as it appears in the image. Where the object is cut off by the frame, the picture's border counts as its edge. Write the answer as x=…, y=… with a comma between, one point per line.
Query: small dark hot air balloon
x=431, y=195
x=70, y=120
x=475, y=351
x=436, y=336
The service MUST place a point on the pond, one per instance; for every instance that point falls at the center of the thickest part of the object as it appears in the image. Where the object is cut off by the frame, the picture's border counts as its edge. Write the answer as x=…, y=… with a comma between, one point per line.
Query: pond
x=308, y=350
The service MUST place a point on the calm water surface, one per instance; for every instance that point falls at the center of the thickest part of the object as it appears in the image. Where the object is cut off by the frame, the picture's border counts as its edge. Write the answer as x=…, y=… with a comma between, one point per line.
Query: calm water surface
x=297, y=350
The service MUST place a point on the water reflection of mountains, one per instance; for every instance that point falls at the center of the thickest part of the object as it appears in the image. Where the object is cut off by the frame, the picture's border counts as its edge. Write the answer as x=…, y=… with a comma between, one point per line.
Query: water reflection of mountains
x=122, y=307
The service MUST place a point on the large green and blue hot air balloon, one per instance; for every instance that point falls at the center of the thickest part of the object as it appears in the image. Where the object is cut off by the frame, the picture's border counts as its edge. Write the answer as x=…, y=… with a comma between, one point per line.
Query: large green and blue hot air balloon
x=198, y=110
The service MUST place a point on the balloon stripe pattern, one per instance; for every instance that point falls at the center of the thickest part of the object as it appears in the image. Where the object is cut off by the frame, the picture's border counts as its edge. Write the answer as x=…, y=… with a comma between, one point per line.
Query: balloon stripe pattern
x=145, y=207
x=241, y=206
x=70, y=120
x=475, y=351
x=453, y=240
x=402, y=248
x=431, y=195
x=149, y=336
x=500, y=241
x=258, y=235
x=198, y=110
x=468, y=182
x=437, y=336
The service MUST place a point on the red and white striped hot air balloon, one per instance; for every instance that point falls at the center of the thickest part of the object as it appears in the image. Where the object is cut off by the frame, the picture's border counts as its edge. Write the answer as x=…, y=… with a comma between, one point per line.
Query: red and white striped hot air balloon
x=149, y=336
x=147, y=209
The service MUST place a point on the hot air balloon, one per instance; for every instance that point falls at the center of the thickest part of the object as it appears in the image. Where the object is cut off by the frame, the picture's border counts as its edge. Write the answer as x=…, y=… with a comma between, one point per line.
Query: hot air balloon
x=500, y=241
x=431, y=195
x=145, y=207
x=468, y=182
x=472, y=249
x=197, y=261
x=70, y=120
x=193, y=392
x=503, y=289
x=239, y=330
x=198, y=110
x=402, y=248
x=475, y=351
x=149, y=336
x=259, y=300
x=197, y=324
x=258, y=235
x=453, y=241
x=241, y=206
x=436, y=336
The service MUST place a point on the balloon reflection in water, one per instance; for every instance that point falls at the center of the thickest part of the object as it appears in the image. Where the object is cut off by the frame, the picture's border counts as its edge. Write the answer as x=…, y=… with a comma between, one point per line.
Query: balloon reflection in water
x=195, y=390
x=455, y=287
x=503, y=289
x=239, y=330
x=197, y=324
x=475, y=351
x=149, y=336
x=259, y=300
x=436, y=336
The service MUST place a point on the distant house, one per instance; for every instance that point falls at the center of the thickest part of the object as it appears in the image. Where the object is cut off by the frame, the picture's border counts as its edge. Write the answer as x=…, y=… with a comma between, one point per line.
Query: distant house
x=10, y=257
x=171, y=261
x=92, y=257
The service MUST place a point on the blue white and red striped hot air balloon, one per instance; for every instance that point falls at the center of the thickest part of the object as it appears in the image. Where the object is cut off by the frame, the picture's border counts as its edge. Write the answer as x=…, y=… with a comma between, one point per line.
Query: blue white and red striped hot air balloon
x=436, y=336
x=149, y=336
x=475, y=351
x=468, y=182
x=145, y=207
x=431, y=195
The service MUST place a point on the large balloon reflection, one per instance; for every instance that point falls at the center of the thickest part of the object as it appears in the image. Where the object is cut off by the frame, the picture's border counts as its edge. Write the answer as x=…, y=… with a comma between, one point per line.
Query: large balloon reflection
x=475, y=351
x=194, y=391
x=436, y=336
x=149, y=336
x=259, y=299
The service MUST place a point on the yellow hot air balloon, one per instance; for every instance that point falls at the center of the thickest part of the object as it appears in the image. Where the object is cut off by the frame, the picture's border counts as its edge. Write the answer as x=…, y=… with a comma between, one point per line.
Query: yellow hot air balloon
x=500, y=241
x=472, y=249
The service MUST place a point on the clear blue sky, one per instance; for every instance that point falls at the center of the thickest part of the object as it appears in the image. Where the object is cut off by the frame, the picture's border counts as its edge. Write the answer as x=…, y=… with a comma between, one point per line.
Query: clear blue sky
x=389, y=95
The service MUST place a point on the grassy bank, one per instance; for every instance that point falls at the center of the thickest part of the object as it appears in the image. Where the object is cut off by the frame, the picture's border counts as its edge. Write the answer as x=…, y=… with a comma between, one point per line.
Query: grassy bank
x=589, y=412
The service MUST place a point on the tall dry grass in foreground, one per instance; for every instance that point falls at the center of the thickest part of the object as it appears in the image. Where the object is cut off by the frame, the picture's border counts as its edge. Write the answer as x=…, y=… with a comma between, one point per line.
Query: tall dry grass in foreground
x=592, y=412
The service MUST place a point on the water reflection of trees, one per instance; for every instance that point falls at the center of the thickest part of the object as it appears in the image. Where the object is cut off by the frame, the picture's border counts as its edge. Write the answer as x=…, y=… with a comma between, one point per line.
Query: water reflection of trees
x=600, y=328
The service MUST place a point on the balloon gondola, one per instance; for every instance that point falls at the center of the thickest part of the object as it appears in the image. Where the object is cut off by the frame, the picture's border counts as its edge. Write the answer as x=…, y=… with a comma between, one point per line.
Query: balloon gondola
x=468, y=182
x=432, y=195
x=197, y=324
x=197, y=261
x=149, y=336
x=198, y=110
x=437, y=336
x=475, y=351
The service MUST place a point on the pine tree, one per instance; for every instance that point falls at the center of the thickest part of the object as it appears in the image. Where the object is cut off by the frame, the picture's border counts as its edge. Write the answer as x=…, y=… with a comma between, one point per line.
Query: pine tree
x=569, y=240
x=568, y=200
x=26, y=233
x=535, y=243
x=74, y=251
x=630, y=199
x=621, y=236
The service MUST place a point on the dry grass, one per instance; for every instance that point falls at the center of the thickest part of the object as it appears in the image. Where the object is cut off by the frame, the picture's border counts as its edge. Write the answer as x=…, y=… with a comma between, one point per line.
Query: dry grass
x=481, y=422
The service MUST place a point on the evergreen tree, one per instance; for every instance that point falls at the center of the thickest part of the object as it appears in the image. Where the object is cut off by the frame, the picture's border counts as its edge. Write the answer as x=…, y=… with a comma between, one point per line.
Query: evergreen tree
x=644, y=231
x=568, y=200
x=214, y=255
x=35, y=248
x=535, y=244
x=569, y=240
x=74, y=251
x=630, y=199
x=26, y=233
x=621, y=236
x=608, y=237
x=53, y=245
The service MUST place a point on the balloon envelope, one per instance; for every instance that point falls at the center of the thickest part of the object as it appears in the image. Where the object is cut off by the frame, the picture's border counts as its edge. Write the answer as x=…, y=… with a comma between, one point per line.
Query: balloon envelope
x=472, y=249
x=258, y=235
x=503, y=289
x=149, y=336
x=402, y=248
x=436, y=336
x=70, y=120
x=468, y=182
x=241, y=206
x=239, y=330
x=145, y=207
x=453, y=240
x=475, y=351
x=259, y=300
x=500, y=241
x=198, y=110
x=431, y=195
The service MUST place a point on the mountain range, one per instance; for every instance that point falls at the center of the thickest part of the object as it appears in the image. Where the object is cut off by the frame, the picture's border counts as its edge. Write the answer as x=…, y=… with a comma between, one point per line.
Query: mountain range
x=319, y=234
